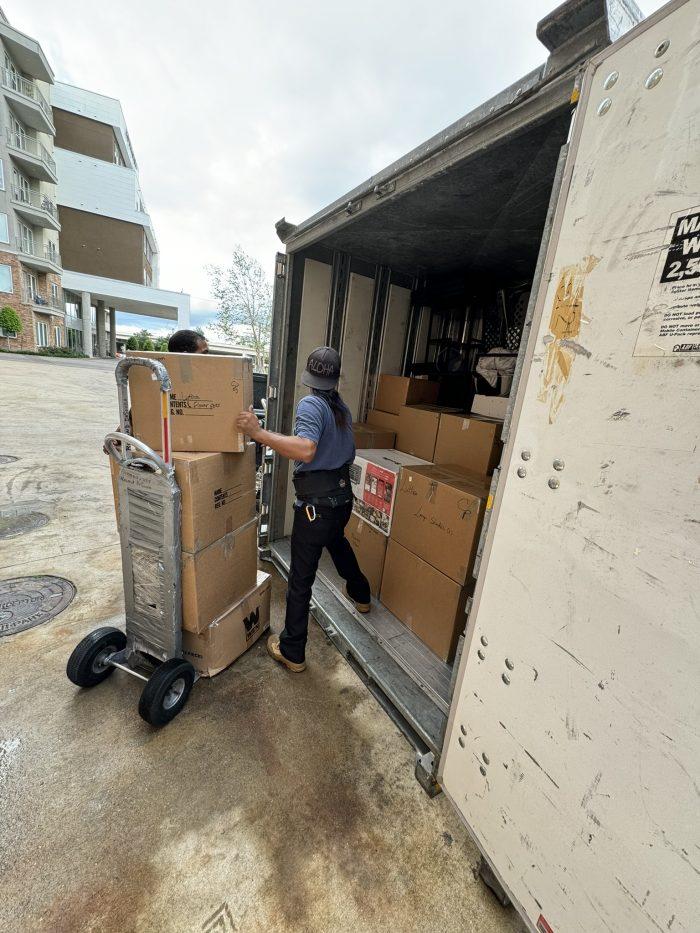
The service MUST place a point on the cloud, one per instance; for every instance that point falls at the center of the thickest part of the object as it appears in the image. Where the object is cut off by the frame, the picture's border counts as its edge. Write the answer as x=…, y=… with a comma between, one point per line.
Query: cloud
x=241, y=112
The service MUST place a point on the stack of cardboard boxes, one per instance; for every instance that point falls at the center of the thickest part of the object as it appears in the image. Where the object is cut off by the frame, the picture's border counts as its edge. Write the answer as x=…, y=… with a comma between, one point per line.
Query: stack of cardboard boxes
x=419, y=507
x=225, y=599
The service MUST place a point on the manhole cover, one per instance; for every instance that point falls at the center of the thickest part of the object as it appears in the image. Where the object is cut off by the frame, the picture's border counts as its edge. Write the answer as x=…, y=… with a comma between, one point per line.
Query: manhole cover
x=7, y=458
x=29, y=601
x=14, y=522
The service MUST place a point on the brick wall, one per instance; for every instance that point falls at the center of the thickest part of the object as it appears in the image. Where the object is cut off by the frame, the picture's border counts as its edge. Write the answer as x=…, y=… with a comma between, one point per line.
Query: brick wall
x=28, y=314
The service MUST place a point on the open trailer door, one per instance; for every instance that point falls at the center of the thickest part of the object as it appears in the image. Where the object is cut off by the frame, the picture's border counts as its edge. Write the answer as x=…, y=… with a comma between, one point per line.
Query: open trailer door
x=572, y=739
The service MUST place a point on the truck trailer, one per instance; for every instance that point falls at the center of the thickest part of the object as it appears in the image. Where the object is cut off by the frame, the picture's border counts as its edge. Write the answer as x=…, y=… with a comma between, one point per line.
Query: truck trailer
x=560, y=220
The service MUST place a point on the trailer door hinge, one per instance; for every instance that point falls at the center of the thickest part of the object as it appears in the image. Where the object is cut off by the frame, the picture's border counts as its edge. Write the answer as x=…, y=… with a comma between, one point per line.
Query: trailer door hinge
x=387, y=188
x=281, y=266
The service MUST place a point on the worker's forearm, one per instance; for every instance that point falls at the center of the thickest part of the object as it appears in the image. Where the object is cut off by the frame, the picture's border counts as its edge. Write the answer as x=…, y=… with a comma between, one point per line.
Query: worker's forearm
x=294, y=448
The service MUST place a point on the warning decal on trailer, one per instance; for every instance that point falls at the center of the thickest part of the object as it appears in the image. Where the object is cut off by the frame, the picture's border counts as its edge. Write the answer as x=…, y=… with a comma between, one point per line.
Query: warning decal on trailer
x=671, y=320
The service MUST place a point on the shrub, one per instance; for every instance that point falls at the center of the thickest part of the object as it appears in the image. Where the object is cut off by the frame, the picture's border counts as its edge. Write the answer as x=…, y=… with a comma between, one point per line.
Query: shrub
x=10, y=320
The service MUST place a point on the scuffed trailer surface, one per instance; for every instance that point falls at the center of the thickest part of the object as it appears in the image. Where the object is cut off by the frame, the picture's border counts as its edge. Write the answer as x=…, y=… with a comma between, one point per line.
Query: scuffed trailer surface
x=572, y=748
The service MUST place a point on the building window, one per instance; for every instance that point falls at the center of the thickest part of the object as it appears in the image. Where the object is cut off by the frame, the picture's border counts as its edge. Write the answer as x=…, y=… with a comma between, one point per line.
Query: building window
x=2, y=175
x=72, y=304
x=6, y=278
x=4, y=229
x=75, y=338
x=117, y=157
x=57, y=336
x=42, y=334
x=26, y=239
x=54, y=291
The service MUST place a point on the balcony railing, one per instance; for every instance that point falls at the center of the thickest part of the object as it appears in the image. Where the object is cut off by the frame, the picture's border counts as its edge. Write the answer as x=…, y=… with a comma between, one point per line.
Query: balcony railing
x=53, y=302
x=27, y=88
x=32, y=199
x=28, y=248
x=32, y=147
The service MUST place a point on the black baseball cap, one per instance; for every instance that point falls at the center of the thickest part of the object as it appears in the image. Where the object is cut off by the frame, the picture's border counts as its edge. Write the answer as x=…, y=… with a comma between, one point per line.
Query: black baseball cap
x=322, y=369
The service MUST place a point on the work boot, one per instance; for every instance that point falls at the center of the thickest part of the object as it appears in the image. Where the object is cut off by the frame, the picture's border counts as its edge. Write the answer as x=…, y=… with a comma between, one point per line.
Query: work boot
x=361, y=607
x=274, y=650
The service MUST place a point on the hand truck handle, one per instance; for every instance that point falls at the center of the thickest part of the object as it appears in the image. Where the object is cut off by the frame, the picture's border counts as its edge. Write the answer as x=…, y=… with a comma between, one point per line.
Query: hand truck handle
x=160, y=373
x=116, y=441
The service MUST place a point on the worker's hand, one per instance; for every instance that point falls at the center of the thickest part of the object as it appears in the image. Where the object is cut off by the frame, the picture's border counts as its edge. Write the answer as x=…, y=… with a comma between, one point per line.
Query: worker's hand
x=247, y=423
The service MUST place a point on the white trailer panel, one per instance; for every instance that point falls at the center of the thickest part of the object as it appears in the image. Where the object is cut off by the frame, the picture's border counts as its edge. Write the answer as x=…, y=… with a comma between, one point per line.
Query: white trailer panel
x=572, y=749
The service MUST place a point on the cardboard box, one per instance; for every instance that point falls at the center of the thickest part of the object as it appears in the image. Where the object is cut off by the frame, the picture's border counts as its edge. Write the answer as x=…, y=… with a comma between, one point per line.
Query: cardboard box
x=369, y=546
x=418, y=429
x=383, y=419
x=374, y=476
x=218, y=576
x=208, y=392
x=229, y=636
x=490, y=406
x=470, y=442
x=217, y=494
x=438, y=516
x=372, y=436
x=424, y=599
x=395, y=391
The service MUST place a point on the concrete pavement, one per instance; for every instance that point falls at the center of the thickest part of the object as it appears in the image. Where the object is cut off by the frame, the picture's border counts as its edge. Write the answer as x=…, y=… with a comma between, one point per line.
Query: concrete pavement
x=274, y=802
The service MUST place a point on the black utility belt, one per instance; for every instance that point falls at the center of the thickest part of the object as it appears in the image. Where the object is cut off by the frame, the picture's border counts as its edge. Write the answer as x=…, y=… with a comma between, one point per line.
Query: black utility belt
x=311, y=485
x=324, y=502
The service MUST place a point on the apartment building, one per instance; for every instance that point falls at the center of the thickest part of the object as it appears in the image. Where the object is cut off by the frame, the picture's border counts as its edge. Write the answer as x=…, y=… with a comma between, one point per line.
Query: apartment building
x=30, y=260
x=108, y=244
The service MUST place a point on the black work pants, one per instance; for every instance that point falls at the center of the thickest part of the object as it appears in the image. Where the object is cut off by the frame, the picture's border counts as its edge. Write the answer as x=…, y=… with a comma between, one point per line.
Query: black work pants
x=308, y=541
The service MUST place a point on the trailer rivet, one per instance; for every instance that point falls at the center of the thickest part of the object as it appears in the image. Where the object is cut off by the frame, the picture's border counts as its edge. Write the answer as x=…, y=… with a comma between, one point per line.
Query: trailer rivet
x=486, y=758
x=558, y=464
x=509, y=664
x=481, y=655
x=462, y=730
x=553, y=482
x=654, y=78
x=611, y=79
x=525, y=454
x=661, y=48
x=522, y=472
x=506, y=679
x=483, y=770
x=461, y=741
x=484, y=640
x=604, y=106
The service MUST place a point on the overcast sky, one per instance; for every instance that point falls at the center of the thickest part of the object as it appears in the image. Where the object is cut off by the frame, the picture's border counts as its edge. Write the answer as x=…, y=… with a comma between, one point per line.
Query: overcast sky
x=241, y=112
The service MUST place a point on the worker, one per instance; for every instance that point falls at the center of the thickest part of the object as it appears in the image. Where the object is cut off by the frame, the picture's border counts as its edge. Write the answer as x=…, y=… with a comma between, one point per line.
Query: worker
x=322, y=448
x=187, y=341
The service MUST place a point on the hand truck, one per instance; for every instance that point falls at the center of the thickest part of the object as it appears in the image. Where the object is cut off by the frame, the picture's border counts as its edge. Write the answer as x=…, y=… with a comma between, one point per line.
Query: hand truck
x=149, y=530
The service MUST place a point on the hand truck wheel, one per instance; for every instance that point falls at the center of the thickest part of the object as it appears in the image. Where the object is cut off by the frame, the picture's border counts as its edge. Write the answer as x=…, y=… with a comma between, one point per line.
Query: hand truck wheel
x=87, y=666
x=166, y=691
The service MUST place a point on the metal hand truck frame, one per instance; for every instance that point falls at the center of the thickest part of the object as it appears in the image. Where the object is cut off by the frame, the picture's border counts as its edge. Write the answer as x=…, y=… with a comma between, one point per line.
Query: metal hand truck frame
x=149, y=531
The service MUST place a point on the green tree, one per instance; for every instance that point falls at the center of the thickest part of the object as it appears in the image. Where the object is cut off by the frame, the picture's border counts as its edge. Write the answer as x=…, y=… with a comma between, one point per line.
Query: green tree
x=161, y=344
x=244, y=294
x=132, y=343
x=10, y=322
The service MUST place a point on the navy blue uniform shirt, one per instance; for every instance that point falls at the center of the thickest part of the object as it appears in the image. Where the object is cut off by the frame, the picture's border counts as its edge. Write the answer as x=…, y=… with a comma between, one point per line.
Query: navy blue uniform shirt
x=334, y=446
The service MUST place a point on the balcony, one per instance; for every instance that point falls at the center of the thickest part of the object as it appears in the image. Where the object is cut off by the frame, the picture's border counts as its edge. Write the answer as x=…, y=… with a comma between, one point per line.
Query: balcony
x=27, y=101
x=37, y=209
x=43, y=259
x=50, y=305
x=32, y=156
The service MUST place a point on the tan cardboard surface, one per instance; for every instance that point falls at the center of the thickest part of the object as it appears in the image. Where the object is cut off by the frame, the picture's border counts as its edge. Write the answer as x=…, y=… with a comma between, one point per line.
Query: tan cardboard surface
x=438, y=516
x=218, y=576
x=232, y=633
x=490, y=406
x=418, y=429
x=369, y=546
x=383, y=419
x=208, y=392
x=470, y=442
x=217, y=494
x=425, y=600
x=372, y=436
x=395, y=391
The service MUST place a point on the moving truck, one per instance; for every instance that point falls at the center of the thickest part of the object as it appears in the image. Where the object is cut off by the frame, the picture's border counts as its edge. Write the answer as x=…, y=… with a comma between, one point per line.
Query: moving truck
x=560, y=221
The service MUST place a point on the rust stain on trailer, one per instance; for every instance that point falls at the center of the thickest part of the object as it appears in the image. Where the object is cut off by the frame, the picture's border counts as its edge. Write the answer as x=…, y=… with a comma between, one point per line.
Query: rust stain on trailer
x=564, y=327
